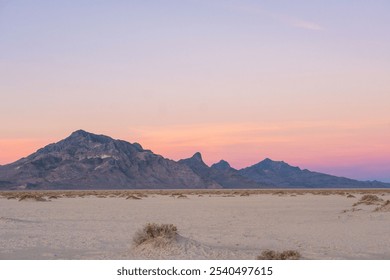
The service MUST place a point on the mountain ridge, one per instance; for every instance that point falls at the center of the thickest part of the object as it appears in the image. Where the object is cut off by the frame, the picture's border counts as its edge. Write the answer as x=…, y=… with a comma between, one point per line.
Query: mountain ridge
x=84, y=160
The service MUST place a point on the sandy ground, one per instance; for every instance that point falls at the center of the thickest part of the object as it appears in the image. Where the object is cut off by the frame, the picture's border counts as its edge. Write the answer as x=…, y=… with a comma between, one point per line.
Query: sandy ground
x=210, y=225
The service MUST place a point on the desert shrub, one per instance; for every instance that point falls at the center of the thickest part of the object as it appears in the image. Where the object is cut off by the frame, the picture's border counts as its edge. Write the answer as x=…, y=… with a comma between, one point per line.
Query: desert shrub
x=152, y=232
x=133, y=197
x=31, y=197
x=351, y=196
x=369, y=199
x=385, y=207
x=275, y=255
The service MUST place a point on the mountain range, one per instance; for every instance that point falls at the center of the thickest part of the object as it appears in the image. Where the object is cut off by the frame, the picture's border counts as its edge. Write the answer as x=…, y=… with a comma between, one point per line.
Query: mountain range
x=89, y=161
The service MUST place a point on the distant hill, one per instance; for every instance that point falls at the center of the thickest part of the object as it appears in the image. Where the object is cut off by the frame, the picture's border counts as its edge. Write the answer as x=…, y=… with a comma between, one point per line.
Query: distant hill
x=88, y=161
x=281, y=174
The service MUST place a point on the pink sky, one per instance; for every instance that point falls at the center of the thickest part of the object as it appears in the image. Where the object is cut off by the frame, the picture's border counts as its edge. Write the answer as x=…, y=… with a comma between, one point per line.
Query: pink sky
x=238, y=80
x=332, y=147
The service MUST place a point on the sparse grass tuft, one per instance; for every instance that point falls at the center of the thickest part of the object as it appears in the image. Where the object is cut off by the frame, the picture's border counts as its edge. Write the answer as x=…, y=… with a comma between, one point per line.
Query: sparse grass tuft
x=385, y=207
x=133, y=197
x=275, y=255
x=153, y=232
x=245, y=194
x=31, y=197
x=369, y=199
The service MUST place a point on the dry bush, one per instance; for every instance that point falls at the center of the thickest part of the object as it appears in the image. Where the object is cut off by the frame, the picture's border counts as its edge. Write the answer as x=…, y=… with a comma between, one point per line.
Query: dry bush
x=385, y=207
x=369, y=199
x=245, y=194
x=133, y=197
x=31, y=197
x=157, y=233
x=351, y=196
x=280, y=193
x=141, y=194
x=182, y=196
x=275, y=255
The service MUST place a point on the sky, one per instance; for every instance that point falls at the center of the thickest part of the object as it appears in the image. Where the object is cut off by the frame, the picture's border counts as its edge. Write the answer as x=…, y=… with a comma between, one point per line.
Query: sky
x=306, y=82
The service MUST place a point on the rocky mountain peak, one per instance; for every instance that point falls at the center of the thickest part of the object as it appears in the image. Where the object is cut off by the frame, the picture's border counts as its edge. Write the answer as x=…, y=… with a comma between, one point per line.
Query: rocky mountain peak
x=269, y=163
x=87, y=160
x=221, y=165
x=197, y=156
x=82, y=135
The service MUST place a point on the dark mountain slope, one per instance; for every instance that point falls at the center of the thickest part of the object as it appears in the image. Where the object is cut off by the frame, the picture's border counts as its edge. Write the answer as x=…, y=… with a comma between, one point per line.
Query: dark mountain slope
x=282, y=174
x=86, y=160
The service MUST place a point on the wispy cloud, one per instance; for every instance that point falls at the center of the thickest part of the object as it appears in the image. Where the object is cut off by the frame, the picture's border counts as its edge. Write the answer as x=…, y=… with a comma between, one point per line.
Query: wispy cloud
x=306, y=25
x=286, y=19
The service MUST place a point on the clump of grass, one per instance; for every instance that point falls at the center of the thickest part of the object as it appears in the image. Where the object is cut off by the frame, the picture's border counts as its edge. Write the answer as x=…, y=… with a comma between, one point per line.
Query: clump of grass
x=279, y=193
x=275, y=255
x=133, y=197
x=31, y=197
x=182, y=196
x=369, y=199
x=351, y=196
x=385, y=207
x=160, y=234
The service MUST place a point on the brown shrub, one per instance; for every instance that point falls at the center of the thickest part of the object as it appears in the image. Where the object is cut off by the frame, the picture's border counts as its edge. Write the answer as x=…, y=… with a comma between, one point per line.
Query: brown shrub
x=133, y=197
x=275, y=255
x=351, y=196
x=369, y=199
x=31, y=197
x=153, y=232
x=385, y=207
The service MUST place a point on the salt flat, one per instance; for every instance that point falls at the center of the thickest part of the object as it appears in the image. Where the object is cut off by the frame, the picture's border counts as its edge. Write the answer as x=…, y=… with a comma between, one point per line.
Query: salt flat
x=211, y=225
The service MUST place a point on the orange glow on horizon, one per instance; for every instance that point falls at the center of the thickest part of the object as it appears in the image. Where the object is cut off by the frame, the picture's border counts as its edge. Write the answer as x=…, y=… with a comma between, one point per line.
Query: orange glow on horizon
x=243, y=144
x=303, y=144
x=14, y=149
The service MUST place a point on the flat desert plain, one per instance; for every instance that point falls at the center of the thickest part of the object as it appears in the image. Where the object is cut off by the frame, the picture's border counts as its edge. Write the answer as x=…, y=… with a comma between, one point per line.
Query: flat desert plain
x=211, y=224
